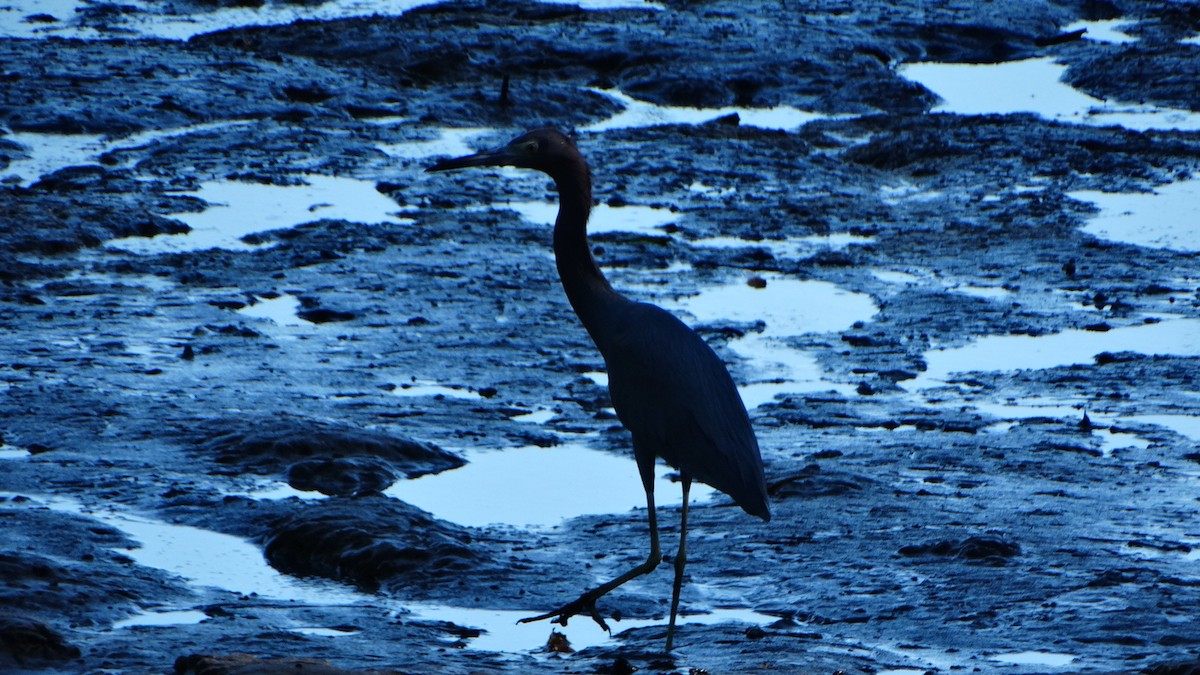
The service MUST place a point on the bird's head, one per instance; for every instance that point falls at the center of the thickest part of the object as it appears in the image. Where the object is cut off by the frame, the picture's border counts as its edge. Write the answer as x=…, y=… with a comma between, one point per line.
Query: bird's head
x=546, y=150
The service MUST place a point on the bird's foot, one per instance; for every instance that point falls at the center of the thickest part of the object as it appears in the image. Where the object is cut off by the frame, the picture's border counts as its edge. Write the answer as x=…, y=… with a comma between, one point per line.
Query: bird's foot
x=560, y=616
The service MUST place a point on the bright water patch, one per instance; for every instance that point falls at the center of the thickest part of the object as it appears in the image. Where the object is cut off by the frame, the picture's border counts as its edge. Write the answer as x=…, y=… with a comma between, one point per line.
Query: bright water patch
x=175, y=617
x=1067, y=410
x=644, y=114
x=428, y=388
x=538, y=487
x=539, y=416
x=1051, y=408
x=504, y=634
x=182, y=26
x=1167, y=218
x=449, y=143
x=1023, y=352
x=793, y=247
x=1107, y=31
x=604, y=218
x=14, y=16
x=318, y=631
x=1035, y=658
x=238, y=209
x=205, y=558
x=1034, y=86
x=51, y=152
x=709, y=191
x=788, y=308
x=210, y=559
x=1184, y=425
x=146, y=22
x=281, y=310
x=907, y=192
x=897, y=277
x=12, y=452
x=273, y=489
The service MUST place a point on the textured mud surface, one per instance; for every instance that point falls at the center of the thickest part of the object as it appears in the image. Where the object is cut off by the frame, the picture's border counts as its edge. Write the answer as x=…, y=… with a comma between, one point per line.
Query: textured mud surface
x=920, y=525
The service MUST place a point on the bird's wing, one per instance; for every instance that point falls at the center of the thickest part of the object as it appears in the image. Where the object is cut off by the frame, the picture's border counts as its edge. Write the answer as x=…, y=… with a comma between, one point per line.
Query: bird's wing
x=677, y=399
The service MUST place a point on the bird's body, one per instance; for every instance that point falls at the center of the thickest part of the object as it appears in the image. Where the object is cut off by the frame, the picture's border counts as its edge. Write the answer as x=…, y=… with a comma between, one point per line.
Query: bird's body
x=667, y=385
x=679, y=403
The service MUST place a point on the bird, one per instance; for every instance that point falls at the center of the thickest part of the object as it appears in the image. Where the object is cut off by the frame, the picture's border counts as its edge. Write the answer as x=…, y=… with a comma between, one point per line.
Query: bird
x=668, y=387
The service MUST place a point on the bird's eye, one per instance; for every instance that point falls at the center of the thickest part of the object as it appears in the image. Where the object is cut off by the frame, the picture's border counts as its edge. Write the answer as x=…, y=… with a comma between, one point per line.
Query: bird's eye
x=531, y=147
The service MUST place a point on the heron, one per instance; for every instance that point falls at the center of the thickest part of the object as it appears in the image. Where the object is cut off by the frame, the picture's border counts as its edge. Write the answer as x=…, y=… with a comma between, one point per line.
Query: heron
x=669, y=388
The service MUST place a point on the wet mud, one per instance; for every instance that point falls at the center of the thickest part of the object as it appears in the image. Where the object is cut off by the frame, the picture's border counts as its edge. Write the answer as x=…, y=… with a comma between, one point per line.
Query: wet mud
x=990, y=518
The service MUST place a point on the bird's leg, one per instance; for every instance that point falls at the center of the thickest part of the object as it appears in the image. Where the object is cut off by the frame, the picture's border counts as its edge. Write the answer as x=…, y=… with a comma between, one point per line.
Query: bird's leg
x=680, y=559
x=587, y=601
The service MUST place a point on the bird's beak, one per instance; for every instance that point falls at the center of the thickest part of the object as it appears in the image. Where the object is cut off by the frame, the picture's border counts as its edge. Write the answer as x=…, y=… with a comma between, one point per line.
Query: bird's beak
x=498, y=157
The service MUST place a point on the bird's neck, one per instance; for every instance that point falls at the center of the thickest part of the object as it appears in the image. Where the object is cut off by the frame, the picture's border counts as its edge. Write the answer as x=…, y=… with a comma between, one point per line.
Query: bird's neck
x=588, y=291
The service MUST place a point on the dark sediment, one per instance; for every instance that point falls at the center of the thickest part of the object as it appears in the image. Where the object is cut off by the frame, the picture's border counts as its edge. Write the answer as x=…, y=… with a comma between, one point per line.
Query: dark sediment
x=908, y=530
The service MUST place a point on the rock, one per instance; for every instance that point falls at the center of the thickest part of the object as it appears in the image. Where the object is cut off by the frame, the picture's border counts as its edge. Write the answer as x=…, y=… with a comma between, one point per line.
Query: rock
x=370, y=542
x=984, y=550
x=341, y=477
x=27, y=643
x=268, y=446
x=249, y=664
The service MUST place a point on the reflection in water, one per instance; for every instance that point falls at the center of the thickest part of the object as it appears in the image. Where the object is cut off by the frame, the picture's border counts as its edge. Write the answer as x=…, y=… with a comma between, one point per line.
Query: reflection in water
x=1165, y=218
x=238, y=209
x=644, y=114
x=1034, y=86
x=788, y=308
x=483, y=492
x=1024, y=352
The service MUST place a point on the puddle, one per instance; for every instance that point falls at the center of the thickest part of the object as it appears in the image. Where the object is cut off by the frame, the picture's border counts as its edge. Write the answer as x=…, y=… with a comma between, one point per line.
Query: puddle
x=794, y=248
x=1034, y=86
x=598, y=376
x=546, y=483
x=1184, y=425
x=643, y=114
x=789, y=308
x=269, y=490
x=1107, y=31
x=183, y=25
x=237, y=209
x=907, y=192
x=897, y=277
x=709, y=191
x=13, y=452
x=504, y=634
x=604, y=218
x=1070, y=411
x=1034, y=658
x=428, y=388
x=1166, y=218
x=51, y=152
x=540, y=416
x=144, y=24
x=1041, y=407
x=450, y=143
x=324, y=632
x=1023, y=352
x=1110, y=441
x=280, y=310
x=202, y=557
x=175, y=617
x=930, y=281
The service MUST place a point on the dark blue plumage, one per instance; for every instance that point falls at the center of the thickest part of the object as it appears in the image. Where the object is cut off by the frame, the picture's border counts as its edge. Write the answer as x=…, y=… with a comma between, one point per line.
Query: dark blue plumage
x=669, y=388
